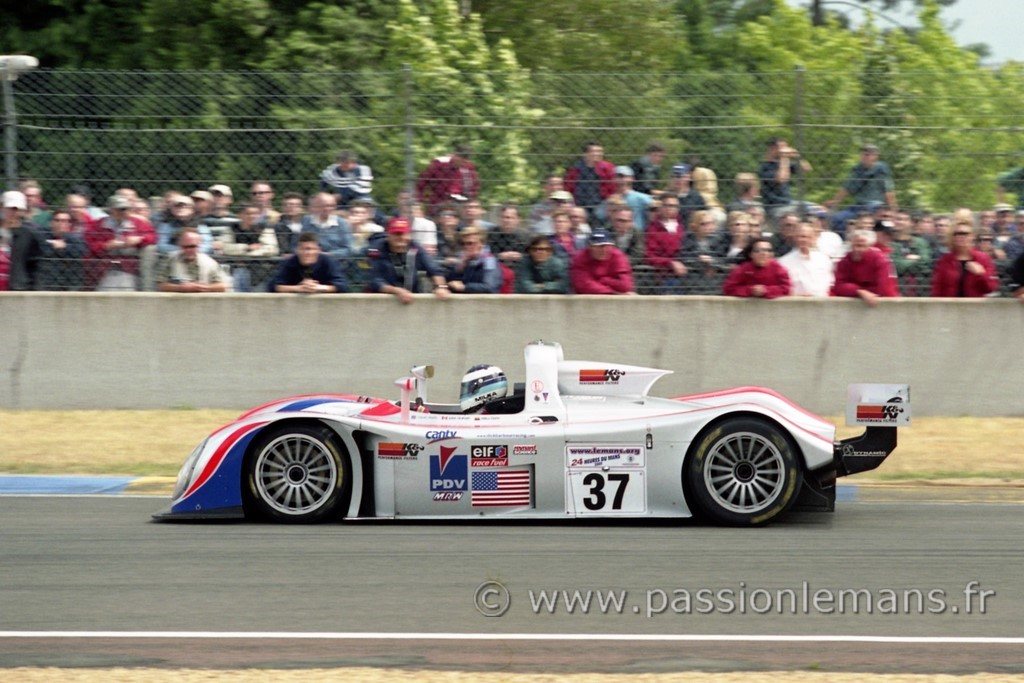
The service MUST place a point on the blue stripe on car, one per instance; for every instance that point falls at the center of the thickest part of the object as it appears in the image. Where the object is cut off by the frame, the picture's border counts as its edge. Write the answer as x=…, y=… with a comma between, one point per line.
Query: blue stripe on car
x=309, y=403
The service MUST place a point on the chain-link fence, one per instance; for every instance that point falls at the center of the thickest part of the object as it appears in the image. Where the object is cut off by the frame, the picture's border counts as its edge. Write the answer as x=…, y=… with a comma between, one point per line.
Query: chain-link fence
x=157, y=131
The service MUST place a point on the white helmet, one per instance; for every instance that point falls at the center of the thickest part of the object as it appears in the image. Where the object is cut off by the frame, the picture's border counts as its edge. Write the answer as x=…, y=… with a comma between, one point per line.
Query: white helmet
x=480, y=384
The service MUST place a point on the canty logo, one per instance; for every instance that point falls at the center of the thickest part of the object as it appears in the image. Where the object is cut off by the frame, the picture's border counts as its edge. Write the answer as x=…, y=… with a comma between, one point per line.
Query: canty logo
x=440, y=435
x=607, y=376
x=448, y=472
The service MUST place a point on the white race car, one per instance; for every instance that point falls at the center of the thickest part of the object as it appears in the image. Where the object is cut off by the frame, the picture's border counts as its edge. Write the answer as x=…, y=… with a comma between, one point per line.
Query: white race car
x=575, y=439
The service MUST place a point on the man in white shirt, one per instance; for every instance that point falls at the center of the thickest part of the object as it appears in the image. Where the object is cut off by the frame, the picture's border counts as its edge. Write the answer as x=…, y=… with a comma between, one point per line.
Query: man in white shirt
x=810, y=271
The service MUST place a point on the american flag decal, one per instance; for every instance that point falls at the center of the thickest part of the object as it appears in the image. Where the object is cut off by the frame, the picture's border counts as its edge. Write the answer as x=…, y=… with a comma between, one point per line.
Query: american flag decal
x=501, y=489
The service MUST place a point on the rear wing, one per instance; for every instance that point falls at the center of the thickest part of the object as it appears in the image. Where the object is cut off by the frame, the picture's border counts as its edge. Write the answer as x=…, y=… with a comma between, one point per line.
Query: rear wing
x=881, y=408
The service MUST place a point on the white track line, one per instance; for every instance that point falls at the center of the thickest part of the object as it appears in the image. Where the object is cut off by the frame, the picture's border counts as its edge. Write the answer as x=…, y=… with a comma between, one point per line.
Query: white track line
x=624, y=637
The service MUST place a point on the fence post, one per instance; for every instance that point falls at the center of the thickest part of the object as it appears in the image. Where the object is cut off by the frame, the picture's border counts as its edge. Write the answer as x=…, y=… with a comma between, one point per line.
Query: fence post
x=798, y=134
x=410, y=160
x=10, y=131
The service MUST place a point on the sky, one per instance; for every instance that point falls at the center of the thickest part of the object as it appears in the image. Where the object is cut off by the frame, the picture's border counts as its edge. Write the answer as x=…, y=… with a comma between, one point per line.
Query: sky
x=996, y=22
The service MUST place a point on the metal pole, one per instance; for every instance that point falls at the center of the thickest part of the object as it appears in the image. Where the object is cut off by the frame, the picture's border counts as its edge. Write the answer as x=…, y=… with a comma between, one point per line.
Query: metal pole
x=798, y=134
x=410, y=161
x=10, y=131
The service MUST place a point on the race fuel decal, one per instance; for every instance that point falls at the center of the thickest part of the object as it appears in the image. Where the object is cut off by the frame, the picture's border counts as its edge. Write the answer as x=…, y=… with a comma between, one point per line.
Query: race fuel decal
x=488, y=456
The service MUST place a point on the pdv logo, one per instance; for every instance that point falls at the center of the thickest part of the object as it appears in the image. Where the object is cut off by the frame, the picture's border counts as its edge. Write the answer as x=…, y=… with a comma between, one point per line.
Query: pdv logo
x=448, y=472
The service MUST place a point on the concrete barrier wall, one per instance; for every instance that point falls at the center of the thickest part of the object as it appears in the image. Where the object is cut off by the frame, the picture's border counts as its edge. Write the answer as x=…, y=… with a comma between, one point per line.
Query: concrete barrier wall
x=233, y=351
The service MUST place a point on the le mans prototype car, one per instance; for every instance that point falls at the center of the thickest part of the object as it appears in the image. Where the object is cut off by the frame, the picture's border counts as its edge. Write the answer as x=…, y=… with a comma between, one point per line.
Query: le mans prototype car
x=575, y=439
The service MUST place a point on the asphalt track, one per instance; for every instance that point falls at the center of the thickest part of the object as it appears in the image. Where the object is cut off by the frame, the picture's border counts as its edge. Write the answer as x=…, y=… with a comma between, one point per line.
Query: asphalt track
x=99, y=565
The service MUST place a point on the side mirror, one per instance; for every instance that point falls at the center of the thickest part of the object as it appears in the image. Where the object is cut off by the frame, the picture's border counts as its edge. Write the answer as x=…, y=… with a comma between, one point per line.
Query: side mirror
x=422, y=371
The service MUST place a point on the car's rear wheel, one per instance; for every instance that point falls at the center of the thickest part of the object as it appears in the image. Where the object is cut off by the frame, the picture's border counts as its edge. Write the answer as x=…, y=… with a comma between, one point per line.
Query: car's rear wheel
x=297, y=473
x=745, y=471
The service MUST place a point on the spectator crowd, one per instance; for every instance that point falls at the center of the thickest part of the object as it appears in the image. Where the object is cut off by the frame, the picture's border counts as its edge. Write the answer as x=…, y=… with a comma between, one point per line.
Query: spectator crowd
x=597, y=228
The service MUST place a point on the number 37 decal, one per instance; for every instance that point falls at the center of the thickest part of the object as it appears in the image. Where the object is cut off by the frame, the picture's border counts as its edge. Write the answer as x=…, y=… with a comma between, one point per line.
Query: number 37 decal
x=599, y=492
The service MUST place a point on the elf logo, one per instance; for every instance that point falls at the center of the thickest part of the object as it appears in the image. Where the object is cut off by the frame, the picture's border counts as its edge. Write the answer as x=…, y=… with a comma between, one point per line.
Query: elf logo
x=448, y=472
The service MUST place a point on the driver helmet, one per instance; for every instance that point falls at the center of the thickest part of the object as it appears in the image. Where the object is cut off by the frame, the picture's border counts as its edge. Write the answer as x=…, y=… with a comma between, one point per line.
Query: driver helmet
x=480, y=384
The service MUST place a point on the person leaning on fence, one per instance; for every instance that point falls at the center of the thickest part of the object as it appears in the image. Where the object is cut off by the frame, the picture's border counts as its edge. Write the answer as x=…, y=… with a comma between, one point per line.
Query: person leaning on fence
x=188, y=270
x=396, y=262
x=601, y=268
x=477, y=271
x=25, y=245
x=309, y=270
x=760, y=276
x=116, y=244
x=541, y=270
x=864, y=273
x=964, y=271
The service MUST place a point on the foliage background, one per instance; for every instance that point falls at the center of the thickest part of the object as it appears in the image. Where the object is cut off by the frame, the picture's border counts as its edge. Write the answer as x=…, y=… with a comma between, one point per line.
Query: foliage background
x=180, y=93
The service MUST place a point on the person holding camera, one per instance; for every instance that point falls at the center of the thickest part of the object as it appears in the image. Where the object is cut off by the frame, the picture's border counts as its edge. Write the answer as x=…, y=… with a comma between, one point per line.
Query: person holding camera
x=781, y=163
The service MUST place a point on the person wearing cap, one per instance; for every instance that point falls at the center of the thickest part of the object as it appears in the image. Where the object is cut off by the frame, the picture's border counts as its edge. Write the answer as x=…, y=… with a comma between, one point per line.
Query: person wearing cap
x=541, y=270
x=682, y=187
x=964, y=271
x=180, y=214
x=870, y=182
x=601, y=268
x=543, y=208
x=220, y=221
x=1004, y=226
x=780, y=165
x=203, y=203
x=308, y=271
x=396, y=263
x=647, y=170
x=759, y=275
x=188, y=271
x=24, y=242
x=447, y=178
x=117, y=240
x=865, y=273
x=590, y=179
x=638, y=202
x=560, y=200
x=348, y=179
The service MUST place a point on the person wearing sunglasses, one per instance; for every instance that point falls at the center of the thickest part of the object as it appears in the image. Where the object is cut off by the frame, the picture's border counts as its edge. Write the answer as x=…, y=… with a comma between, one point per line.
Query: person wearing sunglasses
x=541, y=271
x=964, y=271
x=760, y=276
x=476, y=271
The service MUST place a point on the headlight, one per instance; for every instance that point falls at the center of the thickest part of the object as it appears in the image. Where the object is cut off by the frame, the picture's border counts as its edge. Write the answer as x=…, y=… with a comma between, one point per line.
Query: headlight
x=185, y=473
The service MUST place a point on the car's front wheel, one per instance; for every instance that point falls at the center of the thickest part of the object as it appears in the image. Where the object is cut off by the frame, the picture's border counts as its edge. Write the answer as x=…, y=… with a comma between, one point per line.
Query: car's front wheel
x=745, y=471
x=297, y=473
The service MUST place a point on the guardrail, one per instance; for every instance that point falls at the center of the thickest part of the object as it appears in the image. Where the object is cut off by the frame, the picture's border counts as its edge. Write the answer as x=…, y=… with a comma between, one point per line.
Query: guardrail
x=88, y=350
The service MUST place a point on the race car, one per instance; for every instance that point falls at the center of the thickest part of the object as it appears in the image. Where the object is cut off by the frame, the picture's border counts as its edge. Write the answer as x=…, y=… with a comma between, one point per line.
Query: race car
x=575, y=439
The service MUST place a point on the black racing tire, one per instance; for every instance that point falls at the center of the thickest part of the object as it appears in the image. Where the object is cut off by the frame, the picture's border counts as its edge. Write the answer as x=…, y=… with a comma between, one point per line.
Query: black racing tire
x=745, y=471
x=297, y=473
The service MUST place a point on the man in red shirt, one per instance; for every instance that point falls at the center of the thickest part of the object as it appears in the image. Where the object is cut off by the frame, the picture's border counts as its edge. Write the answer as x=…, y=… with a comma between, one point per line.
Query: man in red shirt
x=865, y=272
x=448, y=178
x=601, y=268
